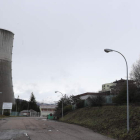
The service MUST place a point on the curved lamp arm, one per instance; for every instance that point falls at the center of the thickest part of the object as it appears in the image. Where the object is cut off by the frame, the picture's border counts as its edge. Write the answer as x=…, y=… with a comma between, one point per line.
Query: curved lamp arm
x=59, y=92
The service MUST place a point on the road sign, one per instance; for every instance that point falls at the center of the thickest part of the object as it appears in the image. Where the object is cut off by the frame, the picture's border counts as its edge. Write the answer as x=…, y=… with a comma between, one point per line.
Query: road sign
x=7, y=105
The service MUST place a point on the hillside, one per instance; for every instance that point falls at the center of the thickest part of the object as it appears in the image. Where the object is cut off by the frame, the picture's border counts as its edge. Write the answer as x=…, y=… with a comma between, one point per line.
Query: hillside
x=108, y=120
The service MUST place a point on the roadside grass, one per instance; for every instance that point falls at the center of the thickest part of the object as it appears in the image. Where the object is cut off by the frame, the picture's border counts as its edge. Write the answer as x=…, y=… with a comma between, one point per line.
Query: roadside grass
x=2, y=116
x=108, y=120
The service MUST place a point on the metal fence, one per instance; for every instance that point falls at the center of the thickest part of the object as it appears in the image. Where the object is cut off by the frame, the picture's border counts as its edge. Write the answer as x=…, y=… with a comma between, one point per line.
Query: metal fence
x=34, y=114
x=31, y=114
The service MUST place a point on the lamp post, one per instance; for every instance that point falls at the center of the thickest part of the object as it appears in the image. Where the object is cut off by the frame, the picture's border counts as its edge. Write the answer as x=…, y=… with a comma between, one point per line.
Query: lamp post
x=107, y=51
x=62, y=102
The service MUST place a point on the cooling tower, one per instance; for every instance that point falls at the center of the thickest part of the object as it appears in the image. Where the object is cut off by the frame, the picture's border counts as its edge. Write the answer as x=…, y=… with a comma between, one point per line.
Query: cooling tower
x=6, y=86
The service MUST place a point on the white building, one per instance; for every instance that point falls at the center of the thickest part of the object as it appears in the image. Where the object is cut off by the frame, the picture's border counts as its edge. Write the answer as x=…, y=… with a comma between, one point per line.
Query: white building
x=47, y=109
x=84, y=96
x=108, y=86
x=107, y=95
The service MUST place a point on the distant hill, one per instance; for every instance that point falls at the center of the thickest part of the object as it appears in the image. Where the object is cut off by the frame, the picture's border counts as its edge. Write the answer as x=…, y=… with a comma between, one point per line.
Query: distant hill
x=38, y=103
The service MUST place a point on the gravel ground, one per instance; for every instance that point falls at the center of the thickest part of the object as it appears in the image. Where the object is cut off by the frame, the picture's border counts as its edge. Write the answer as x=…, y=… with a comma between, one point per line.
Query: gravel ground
x=32, y=128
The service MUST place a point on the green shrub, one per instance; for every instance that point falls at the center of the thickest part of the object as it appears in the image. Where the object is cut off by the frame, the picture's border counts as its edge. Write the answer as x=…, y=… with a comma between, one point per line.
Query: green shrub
x=96, y=101
x=134, y=95
x=6, y=113
x=67, y=108
x=80, y=104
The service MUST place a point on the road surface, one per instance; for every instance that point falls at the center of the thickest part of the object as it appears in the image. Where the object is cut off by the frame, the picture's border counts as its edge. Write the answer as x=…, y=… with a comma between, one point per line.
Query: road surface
x=32, y=128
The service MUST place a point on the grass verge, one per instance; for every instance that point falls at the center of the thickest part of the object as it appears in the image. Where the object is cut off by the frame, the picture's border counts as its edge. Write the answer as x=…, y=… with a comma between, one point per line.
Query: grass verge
x=108, y=120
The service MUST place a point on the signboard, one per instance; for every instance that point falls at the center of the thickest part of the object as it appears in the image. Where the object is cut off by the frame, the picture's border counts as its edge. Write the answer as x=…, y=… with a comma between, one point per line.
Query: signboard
x=7, y=105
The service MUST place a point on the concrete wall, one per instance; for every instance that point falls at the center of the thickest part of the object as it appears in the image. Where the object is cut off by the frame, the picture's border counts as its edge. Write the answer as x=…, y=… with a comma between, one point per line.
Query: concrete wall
x=6, y=85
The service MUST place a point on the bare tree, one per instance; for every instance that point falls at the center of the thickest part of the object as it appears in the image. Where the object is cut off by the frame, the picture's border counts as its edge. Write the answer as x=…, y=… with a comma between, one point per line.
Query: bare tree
x=135, y=73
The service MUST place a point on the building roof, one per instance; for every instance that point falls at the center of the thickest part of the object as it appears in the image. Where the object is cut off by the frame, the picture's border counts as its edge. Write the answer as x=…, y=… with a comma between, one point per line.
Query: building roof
x=48, y=106
x=105, y=93
x=93, y=93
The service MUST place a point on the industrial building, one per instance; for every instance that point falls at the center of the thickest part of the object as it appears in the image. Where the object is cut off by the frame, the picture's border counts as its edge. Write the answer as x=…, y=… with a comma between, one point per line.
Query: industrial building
x=47, y=109
x=6, y=85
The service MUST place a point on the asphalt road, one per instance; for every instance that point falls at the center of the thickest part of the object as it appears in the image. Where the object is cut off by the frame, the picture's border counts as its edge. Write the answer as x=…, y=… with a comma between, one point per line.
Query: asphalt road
x=27, y=128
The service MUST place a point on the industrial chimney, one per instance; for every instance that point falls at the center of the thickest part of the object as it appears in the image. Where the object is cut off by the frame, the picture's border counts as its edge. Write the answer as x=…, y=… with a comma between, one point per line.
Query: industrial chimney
x=6, y=86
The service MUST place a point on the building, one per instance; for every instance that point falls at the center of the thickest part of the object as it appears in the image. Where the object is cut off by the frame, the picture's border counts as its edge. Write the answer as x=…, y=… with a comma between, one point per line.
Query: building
x=6, y=85
x=108, y=86
x=107, y=95
x=47, y=109
x=109, y=90
x=112, y=87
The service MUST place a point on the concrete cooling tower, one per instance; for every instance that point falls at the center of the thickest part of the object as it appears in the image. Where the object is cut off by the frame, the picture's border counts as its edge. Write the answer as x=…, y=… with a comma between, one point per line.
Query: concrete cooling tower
x=6, y=86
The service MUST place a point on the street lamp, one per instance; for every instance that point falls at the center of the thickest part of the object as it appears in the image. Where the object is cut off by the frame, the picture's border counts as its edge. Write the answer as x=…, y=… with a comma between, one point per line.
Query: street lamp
x=62, y=102
x=107, y=51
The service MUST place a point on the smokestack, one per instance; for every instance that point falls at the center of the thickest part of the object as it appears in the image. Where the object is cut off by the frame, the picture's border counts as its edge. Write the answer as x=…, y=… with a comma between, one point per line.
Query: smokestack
x=6, y=86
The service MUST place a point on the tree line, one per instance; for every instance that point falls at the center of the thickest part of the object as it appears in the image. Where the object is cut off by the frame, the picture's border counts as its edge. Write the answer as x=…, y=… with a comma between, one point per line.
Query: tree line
x=21, y=105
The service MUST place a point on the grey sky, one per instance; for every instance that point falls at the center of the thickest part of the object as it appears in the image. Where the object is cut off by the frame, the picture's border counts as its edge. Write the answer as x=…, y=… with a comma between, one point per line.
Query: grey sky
x=59, y=44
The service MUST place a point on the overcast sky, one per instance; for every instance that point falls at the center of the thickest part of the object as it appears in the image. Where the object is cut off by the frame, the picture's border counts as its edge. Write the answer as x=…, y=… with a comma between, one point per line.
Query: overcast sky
x=59, y=44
